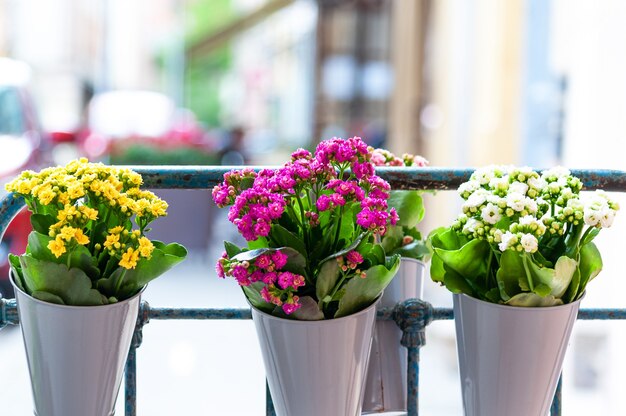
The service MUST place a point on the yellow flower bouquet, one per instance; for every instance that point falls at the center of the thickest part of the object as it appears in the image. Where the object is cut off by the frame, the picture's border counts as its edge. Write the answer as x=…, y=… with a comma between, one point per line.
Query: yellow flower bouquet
x=88, y=245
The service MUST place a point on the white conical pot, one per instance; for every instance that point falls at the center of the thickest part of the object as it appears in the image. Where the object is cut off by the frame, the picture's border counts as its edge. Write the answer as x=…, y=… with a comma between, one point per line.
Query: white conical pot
x=316, y=368
x=76, y=354
x=510, y=358
x=385, y=387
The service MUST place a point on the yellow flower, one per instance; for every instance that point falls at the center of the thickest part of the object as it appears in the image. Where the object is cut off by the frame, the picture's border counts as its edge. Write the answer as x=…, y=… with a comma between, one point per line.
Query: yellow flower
x=67, y=233
x=111, y=240
x=67, y=213
x=145, y=247
x=81, y=238
x=57, y=247
x=116, y=230
x=88, y=212
x=45, y=195
x=158, y=208
x=129, y=258
x=75, y=190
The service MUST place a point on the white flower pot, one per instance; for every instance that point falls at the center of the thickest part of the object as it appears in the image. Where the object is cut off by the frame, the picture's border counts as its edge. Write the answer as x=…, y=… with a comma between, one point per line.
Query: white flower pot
x=316, y=368
x=510, y=357
x=386, y=385
x=76, y=354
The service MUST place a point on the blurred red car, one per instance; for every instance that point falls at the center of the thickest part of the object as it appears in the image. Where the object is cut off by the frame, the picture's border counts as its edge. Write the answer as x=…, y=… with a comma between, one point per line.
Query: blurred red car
x=22, y=146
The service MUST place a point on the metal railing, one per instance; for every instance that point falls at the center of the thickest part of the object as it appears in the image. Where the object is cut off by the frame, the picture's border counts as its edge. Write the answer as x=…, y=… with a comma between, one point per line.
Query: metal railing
x=412, y=316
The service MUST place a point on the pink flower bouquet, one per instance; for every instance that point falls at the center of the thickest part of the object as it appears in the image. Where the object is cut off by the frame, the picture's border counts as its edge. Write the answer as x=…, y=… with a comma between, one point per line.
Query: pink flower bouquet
x=313, y=229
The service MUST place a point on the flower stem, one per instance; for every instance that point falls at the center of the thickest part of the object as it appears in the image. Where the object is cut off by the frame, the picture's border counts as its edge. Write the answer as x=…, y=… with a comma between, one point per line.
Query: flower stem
x=337, y=231
x=118, y=284
x=338, y=285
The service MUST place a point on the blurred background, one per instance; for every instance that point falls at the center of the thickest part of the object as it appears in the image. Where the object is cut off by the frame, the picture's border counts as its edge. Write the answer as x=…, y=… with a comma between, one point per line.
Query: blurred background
x=463, y=83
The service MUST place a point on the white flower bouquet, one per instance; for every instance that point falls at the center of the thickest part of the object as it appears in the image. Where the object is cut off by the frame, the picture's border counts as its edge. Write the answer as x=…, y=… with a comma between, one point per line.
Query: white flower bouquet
x=523, y=239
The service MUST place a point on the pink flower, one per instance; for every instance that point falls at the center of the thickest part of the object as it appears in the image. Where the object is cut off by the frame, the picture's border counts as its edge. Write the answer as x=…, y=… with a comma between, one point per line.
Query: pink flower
x=269, y=278
x=291, y=305
x=393, y=216
x=219, y=268
x=323, y=203
x=263, y=261
x=354, y=257
x=279, y=259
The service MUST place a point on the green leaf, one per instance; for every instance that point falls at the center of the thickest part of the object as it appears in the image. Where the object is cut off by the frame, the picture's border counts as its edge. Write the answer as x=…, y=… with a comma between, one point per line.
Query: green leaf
x=231, y=249
x=253, y=294
x=530, y=299
x=446, y=239
x=348, y=222
x=542, y=290
x=73, y=286
x=285, y=238
x=47, y=297
x=38, y=247
x=296, y=263
x=309, y=311
x=352, y=246
x=327, y=278
x=470, y=261
x=260, y=242
x=16, y=269
x=558, y=279
x=593, y=233
x=252, y=254
x=511, y=274
x=42, y=223
x=392, y=239
x=409, y=205
x=590, y=266
x=456, y=283
x=361, y=292
x=376, y=255
x=416, y=250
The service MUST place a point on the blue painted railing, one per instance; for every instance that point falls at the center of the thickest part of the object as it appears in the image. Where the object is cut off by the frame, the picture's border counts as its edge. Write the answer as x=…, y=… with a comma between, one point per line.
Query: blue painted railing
x=412, y=316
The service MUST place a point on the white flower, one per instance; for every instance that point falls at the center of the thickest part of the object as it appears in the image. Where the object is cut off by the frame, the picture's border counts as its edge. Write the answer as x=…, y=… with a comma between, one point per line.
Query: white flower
x=491, y=214
x=531, y=205
x=536, y=183
x=468, y=187
x=497, y=234
x=529, y=242
x=556, y=172
x=516, y=201
x=575, y=204
x=499, y=184
x=508, y=240
x=483, y=175
x=471, y=226
x=518, y=187
x=591, y=216
x=554, y=188
x=477, y=198
x=606, y=217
